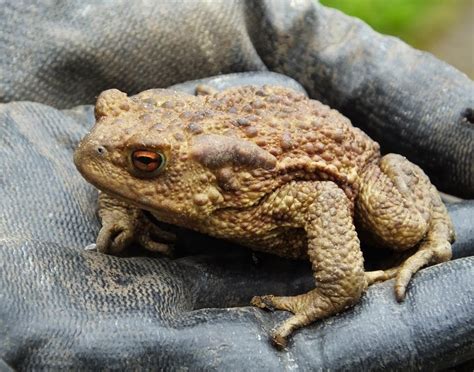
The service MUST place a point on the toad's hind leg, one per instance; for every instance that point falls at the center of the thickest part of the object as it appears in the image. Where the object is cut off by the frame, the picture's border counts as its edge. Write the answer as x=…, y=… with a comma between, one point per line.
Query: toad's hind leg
x=399, y=206
x=324, y=211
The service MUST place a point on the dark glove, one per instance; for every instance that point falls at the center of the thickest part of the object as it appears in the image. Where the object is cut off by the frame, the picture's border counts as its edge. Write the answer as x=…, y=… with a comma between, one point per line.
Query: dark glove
x=61, y=307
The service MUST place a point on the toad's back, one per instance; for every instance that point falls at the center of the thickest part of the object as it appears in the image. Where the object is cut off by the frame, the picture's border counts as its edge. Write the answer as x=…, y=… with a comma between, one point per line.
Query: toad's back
x=299, y=132
x=305, y=136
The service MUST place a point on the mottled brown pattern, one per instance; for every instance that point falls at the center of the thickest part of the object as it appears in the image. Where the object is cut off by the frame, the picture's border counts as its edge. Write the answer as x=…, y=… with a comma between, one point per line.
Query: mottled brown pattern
x=269, y=169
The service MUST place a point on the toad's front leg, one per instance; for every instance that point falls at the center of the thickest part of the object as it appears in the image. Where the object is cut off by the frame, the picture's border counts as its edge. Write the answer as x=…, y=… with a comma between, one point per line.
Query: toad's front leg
x=123, y=224
x=324, y=211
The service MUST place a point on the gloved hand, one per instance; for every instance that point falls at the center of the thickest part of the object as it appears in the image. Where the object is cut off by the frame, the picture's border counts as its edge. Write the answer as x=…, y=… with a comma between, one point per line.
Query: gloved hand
x=63, y=307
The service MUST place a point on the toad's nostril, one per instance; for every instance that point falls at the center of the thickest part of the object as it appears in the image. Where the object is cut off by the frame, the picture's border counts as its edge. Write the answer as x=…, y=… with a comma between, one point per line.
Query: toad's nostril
x=101, y=150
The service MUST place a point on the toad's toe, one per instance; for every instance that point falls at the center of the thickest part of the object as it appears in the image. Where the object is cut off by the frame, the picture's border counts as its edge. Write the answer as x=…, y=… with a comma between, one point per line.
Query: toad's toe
x=263, y=302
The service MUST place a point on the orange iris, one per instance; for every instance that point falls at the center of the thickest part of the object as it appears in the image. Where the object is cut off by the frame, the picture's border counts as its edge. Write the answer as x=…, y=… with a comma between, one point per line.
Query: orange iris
x=147, y=161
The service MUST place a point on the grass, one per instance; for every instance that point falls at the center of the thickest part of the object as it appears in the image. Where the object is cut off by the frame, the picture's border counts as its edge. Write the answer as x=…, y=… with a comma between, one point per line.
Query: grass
x=417, y=22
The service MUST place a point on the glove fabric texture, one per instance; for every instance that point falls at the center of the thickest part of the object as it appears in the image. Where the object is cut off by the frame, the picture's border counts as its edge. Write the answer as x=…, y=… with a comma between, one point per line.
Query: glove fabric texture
x=62, y=307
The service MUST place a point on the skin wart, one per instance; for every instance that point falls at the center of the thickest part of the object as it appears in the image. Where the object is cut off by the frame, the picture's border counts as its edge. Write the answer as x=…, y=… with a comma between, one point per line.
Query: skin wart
x=269, y=169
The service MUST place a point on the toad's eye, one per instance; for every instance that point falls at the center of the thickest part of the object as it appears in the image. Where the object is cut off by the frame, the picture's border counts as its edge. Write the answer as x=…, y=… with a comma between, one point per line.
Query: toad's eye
x=148, y=161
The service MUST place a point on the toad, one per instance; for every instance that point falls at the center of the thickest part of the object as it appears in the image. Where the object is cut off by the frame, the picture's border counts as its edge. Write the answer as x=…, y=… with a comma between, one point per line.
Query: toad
x=269, y=169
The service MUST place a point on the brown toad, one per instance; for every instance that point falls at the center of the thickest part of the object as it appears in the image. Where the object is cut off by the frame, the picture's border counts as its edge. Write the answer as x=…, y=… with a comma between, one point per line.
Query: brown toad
x=269, y=169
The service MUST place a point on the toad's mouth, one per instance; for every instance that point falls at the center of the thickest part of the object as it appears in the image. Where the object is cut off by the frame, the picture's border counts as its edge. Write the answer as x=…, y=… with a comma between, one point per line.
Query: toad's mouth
x=163, y=211
x=148, y=203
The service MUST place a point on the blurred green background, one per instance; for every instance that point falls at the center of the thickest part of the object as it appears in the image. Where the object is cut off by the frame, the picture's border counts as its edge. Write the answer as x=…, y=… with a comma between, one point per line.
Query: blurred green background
x=442, y=27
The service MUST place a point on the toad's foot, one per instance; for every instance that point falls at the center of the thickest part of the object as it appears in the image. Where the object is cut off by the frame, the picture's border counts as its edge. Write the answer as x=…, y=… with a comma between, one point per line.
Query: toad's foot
x=116, y=236
x=306, y=308
x=430, y=253
x=123, y=224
